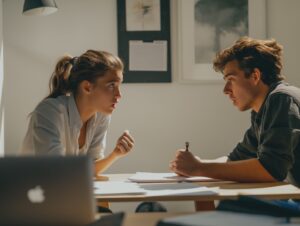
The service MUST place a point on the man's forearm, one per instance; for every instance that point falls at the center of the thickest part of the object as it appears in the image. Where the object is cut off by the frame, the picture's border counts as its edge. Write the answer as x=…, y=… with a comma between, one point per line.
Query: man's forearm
x=217, y=160
x=243, y=171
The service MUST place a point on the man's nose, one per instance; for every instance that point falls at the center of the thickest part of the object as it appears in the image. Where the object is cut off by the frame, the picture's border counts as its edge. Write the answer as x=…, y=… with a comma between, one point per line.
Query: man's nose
x=226, y=89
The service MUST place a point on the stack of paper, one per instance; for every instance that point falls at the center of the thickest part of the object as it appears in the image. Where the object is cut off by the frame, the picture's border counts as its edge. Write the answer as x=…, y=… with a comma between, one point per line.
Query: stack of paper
x=174, y=189
x=162, y=189
x=145, y=177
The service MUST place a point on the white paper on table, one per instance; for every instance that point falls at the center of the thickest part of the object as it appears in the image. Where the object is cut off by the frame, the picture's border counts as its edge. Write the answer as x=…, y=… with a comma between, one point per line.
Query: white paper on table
x=164, y=189
x=182, y=189
x=147, y=177
x=117, y=188
x=148, y=56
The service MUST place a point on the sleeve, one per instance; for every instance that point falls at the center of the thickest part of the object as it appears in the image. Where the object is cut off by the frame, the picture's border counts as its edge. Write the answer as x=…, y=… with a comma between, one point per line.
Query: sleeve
x=279, y=135
x=98, y=144
x=245, y=149
x=44, y=133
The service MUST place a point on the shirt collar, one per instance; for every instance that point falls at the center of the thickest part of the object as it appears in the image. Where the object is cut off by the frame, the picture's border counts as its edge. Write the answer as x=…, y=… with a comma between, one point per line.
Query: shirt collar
x=74, y=116
x=258, y=115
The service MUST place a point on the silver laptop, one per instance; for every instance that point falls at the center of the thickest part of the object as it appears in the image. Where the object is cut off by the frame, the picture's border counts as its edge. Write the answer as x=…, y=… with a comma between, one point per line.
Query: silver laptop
x=46, y=191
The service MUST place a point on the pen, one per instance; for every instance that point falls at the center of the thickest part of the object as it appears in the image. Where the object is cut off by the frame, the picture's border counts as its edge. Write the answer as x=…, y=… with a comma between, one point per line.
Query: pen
x=187, y=146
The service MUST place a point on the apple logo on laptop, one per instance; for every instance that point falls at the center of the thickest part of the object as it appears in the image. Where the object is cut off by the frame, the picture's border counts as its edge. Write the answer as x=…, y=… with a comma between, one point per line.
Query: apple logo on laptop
x=36, y=195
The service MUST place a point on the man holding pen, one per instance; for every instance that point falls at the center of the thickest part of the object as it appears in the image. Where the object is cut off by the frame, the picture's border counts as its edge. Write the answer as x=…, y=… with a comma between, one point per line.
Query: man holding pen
x=270, y=149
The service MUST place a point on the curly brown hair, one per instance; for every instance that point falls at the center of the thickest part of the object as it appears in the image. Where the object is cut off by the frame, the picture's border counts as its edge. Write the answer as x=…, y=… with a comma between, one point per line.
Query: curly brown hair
x=265, y=55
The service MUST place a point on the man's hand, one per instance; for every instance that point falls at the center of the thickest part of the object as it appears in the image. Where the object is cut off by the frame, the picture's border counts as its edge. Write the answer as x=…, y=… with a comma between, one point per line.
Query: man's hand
x=124, y=144
x=185, y=163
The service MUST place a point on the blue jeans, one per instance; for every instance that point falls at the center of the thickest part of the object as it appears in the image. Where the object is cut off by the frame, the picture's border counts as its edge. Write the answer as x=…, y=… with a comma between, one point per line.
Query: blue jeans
x=288, y=204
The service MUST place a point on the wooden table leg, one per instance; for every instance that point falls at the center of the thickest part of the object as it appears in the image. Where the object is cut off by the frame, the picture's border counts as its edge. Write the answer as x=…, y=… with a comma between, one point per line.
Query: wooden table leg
x=204, y=205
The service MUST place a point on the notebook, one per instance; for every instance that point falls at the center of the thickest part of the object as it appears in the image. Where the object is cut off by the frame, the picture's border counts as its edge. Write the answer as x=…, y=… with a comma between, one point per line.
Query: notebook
x=46, y=191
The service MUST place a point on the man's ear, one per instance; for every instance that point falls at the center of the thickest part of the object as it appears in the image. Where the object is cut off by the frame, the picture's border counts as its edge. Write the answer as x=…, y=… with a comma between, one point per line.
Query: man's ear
x=86, y=87
x=256, y=75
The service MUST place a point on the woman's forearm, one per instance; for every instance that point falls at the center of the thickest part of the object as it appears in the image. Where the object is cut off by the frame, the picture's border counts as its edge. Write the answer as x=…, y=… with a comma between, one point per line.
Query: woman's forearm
x=102, y=164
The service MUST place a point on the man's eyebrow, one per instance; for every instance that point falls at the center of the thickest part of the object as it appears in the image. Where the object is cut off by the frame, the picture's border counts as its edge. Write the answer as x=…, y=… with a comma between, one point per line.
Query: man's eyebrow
x=227, y=75
x=114, y=80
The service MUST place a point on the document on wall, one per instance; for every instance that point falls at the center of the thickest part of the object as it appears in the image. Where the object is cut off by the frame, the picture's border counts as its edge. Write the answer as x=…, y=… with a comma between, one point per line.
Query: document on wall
x=148, y=56
x=147, y=177
x=143, y=15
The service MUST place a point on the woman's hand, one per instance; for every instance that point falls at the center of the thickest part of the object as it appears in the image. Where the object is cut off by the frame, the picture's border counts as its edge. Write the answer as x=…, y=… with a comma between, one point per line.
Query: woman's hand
x=124, y=145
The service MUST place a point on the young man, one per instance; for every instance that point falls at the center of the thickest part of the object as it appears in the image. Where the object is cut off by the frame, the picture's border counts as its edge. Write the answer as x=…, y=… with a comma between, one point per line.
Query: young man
x=270, y=149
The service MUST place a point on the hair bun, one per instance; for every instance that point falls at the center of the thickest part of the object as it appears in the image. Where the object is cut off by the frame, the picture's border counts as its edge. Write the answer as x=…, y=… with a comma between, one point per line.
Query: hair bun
x=73, y=61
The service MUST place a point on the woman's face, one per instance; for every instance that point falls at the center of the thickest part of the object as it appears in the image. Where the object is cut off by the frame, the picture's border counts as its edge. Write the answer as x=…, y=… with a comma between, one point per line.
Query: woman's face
x=105, y=92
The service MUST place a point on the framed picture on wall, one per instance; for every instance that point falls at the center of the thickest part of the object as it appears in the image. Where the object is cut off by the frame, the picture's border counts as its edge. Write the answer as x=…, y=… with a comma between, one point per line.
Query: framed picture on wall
x=144, y=42
x=207, y=26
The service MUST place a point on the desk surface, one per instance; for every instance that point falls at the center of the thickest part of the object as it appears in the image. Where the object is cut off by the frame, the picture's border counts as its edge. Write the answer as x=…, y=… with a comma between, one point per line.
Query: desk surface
x=227, y=190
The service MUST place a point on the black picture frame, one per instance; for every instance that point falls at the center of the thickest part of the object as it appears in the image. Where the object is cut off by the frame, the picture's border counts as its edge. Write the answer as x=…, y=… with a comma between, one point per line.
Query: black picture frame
x=125, y=36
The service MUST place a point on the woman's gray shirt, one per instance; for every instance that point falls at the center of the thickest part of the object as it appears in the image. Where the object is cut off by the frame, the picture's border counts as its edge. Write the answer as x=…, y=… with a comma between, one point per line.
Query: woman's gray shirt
x=54, y=128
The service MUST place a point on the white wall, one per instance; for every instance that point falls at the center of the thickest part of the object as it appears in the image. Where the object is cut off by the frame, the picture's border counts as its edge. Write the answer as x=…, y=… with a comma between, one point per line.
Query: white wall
x=160, y=116
x=283, y=25
x=1, y=84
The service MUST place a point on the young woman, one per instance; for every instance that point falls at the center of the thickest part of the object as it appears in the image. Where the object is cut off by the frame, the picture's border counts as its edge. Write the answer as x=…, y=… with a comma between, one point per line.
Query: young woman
x=73, y=119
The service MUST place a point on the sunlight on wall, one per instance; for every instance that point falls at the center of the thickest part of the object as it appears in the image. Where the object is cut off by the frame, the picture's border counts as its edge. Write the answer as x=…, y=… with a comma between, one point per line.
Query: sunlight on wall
x=1, y=104
x=1, y=85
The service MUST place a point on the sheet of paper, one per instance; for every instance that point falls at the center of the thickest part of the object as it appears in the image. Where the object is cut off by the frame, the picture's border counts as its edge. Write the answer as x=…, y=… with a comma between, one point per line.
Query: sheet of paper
x=117, y=188
x=167, y=189
x=163, y=189
x=147, y=177
x=147, y=56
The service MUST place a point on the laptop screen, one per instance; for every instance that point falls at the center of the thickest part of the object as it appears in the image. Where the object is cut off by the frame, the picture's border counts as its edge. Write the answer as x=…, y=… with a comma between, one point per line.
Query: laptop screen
x=46, y=191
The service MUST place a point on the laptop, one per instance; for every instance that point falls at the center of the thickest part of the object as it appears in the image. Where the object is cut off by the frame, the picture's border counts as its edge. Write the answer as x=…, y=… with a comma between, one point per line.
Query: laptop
x=46, y=191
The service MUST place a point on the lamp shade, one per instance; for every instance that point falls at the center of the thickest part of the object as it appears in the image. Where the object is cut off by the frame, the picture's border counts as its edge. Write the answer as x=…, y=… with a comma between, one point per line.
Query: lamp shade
x=39, y=7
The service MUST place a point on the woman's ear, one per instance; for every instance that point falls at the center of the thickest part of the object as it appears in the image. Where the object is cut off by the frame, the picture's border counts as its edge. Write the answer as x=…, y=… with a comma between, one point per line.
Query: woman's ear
x=86, y=87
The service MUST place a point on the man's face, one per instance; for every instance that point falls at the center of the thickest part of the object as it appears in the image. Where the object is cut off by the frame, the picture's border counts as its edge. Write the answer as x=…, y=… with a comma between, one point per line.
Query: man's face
x=241, y=90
